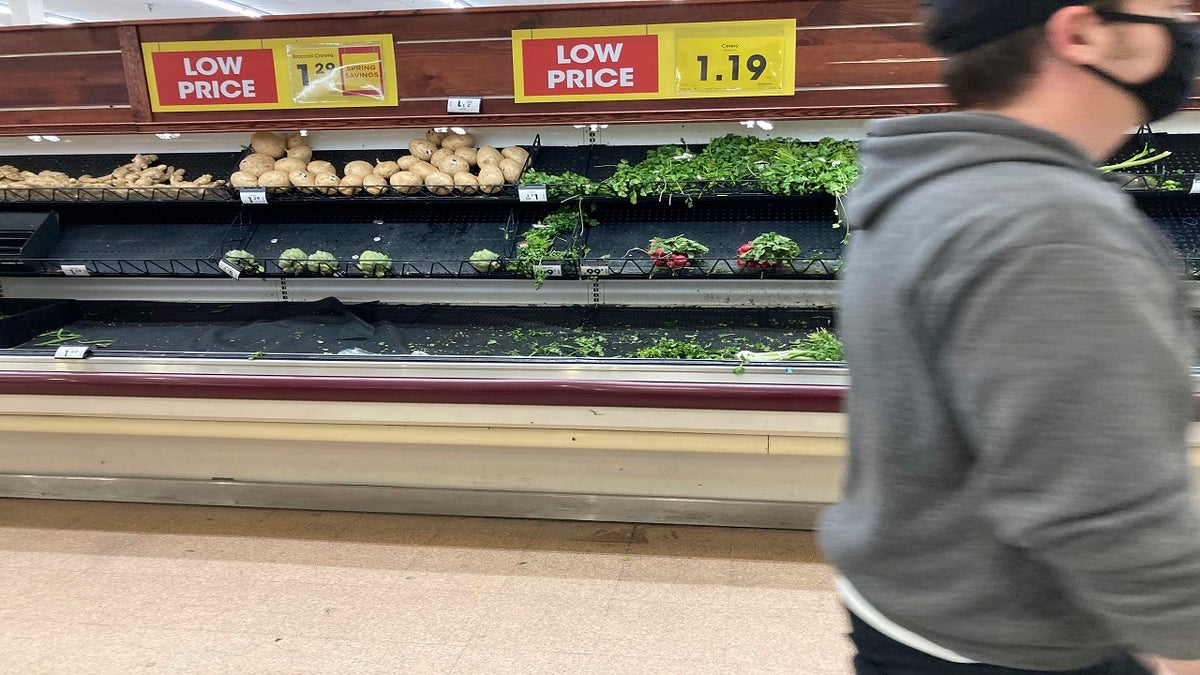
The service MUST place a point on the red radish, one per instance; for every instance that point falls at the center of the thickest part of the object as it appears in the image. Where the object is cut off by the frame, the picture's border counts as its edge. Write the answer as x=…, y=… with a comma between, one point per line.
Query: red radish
x=678, y=260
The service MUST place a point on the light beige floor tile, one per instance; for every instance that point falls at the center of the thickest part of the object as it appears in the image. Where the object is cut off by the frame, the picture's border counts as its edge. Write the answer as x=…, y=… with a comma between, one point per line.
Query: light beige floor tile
x=544, y=624
x=139, y=589
x=52, y=540
x=799, y=641
x=452, y=568
x=577, y=575
x=625, y=665
x=656, y=630
x=783, y=575
x=316, y=656
x=491, y=661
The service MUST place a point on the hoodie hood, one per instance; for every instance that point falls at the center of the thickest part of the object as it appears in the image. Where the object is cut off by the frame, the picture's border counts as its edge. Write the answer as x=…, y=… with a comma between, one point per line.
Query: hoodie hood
x=901, y=154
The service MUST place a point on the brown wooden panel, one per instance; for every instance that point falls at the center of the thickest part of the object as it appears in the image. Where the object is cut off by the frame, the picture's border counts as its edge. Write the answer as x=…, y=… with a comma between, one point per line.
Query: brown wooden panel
x=43, y=39
x=137, y=88
x=69, y=80
x=98, y=121
x=445, y=24
x=851, y=57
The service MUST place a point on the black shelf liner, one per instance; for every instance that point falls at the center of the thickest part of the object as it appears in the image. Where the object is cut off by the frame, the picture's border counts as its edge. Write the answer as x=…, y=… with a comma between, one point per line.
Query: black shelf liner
x=721, y=226
x=328, y=326
x=427, y=241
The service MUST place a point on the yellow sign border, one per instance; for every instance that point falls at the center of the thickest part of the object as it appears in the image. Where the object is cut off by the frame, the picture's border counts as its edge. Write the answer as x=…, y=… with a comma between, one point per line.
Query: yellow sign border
x=666, y=33
x=278, y=47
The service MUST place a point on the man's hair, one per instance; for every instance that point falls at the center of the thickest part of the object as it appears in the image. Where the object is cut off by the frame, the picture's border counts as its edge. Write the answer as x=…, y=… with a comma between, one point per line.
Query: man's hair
x=994, y=74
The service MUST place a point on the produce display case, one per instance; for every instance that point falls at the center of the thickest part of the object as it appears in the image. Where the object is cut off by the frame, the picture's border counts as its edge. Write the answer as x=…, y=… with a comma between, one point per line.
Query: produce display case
x=583, y=382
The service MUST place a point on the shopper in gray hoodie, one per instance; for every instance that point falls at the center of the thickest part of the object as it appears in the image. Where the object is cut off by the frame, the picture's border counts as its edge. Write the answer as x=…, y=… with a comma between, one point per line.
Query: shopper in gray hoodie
x=1019, y=345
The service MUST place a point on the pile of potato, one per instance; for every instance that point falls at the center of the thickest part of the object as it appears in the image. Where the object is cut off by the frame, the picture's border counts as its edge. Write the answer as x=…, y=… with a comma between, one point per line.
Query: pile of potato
x=441, y=163
x=140, y=174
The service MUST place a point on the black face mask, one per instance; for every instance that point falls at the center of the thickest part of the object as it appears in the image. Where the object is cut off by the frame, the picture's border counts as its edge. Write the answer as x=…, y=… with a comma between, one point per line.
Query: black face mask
x=1169, y=91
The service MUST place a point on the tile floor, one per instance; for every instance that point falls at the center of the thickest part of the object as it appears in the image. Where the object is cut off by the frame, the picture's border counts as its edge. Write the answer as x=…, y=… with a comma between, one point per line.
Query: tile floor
x=93, y=588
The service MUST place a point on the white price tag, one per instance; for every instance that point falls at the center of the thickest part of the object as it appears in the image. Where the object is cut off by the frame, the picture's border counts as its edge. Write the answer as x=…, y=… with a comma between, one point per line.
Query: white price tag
x=253, y=195
x=72, y=352
x=231, y=270
x=75, y=270
x=464, y=105
x=1195, y=186
x=595, y=271
x=551, y=270
x=531, y=193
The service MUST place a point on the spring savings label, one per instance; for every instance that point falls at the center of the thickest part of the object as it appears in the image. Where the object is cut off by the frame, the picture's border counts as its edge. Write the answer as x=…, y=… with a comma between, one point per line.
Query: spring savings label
x=655, y=61
x=286, y=73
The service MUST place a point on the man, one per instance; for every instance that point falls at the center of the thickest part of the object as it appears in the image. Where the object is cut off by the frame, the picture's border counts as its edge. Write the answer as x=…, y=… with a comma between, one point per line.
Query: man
x=1018, y=494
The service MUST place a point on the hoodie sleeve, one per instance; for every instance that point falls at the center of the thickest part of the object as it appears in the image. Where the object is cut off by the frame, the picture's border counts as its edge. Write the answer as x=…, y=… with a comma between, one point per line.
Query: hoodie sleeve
x=1067, y=368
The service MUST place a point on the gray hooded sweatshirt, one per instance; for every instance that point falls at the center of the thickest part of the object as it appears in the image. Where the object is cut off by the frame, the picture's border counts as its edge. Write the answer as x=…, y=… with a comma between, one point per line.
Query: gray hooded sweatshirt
x=1019, y=344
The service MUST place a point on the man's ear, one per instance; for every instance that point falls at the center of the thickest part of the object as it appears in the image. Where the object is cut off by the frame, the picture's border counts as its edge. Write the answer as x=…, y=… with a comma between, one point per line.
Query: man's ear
x=1075, y=34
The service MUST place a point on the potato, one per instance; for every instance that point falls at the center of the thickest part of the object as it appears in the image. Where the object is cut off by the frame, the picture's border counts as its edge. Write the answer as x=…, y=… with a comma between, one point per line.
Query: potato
x=295, y=140
x=440, y=155
x=406, y=162
x=268, y=143
x=302, y=178
x=439, y=183
x=375, y=184
x=517, y=154
x=454, y=141
x=321, y=166
x=468, y=154
x=326, y=180
x=466, y=182
x=488, y=155
x=300, y=152
x=511, y=170
x=406, y=182
x=421, y=149
x=351, y=184
x=491, y=179
x=274, y=179
x=290, y=164
x=423, y=169
x=257, y=164
x=436, y=137
x=452, y=165
x=358, y=168
x=241, y=179
x=385, y=169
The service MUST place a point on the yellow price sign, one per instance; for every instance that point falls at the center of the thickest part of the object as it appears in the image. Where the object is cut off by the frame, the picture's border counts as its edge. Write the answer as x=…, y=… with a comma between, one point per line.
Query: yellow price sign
x=328, y=73
x=752, y=58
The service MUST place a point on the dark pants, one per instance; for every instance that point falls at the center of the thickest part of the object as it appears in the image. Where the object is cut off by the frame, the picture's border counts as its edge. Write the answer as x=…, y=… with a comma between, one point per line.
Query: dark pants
x=880, y=655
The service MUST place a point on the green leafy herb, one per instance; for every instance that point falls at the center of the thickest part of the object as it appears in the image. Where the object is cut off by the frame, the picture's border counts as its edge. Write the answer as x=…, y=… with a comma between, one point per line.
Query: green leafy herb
x=551, y=239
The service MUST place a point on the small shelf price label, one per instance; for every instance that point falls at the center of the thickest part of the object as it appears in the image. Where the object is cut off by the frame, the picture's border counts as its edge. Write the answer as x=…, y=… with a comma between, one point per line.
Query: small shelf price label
x=72, y=352
x=595, y=271
x=551, y=270
x=253, y=195
x=464, y=105
x=744, y=59
x=75, y=270
x=231, y=270
x=531, y=193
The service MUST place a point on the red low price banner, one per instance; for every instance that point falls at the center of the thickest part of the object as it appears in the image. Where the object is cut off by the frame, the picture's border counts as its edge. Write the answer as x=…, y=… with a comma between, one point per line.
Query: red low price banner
x=231, y=77
x=590, y=65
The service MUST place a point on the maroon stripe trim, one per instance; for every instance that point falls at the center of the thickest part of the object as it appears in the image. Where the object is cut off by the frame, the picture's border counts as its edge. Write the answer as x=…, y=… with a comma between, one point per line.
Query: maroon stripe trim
x=581, y=393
